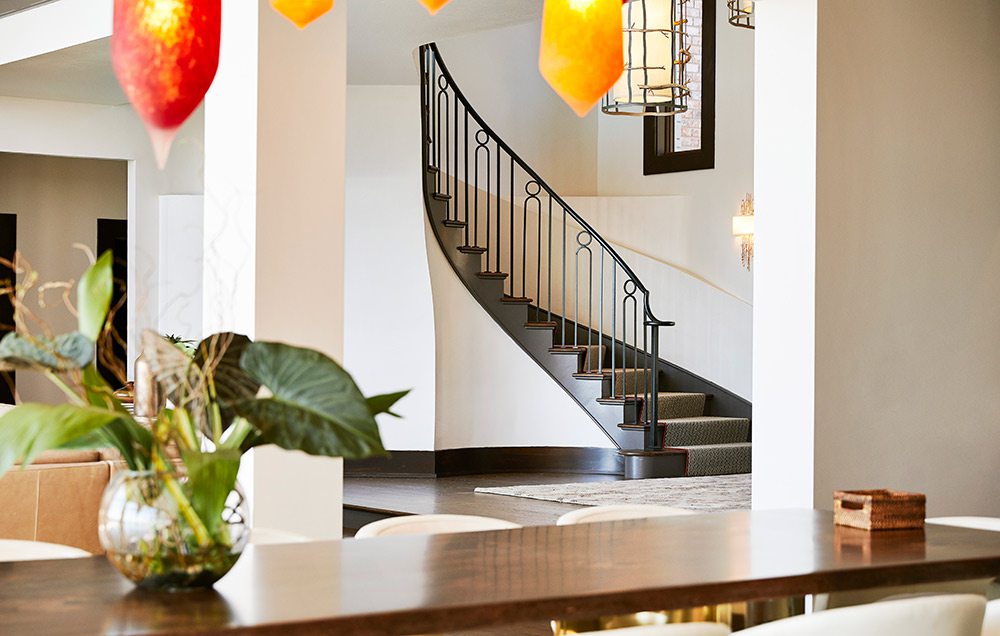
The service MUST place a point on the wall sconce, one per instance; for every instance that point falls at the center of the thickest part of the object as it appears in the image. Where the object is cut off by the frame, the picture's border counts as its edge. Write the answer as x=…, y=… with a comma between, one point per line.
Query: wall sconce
x=743, y=228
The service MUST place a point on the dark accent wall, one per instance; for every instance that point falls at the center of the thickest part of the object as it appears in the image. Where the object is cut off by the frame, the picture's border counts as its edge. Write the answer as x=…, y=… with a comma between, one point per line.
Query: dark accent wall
x=8, y=245
x=112, y=234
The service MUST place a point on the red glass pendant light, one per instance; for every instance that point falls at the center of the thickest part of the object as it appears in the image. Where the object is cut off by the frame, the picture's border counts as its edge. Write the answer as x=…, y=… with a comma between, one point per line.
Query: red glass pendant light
x=165, y=54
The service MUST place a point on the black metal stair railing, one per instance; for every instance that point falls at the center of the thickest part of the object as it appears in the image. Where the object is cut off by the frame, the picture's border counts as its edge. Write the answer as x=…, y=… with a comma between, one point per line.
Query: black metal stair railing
x=549, y=257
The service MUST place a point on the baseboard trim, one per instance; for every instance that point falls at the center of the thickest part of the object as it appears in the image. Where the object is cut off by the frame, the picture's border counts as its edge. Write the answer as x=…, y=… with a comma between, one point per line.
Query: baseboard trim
x=506, y=459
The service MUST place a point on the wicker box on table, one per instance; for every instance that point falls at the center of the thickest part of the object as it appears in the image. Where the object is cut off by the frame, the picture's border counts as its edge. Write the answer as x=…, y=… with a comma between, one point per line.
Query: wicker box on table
x=879, y=509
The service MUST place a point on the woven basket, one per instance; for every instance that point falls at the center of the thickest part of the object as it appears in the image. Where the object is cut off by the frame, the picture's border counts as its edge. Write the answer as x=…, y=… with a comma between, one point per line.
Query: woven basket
x=879, y=509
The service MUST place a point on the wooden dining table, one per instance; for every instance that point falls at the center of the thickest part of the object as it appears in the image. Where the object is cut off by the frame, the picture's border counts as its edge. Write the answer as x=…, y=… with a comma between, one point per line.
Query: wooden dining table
x=407, y=585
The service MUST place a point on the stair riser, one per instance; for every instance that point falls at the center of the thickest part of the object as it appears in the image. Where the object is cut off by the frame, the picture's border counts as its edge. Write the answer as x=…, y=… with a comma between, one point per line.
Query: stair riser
x=706, y=461
x=705, y=433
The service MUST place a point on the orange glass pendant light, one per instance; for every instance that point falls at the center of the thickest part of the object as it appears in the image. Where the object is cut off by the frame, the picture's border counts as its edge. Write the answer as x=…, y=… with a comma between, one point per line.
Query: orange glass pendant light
x=433, y=6
x=165, y=54
x=302, y=12
x=581, y=53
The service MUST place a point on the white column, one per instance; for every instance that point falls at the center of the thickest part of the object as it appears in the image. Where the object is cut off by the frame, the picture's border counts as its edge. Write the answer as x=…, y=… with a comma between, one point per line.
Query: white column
x=274, y=216
x=785, y=254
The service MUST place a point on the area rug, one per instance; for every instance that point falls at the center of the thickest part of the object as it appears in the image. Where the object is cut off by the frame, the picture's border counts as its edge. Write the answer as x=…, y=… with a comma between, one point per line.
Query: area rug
x=704, y=494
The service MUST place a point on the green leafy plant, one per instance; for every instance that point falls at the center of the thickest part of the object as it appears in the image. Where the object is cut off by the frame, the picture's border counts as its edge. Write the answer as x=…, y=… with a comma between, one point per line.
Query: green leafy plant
x=226, y=395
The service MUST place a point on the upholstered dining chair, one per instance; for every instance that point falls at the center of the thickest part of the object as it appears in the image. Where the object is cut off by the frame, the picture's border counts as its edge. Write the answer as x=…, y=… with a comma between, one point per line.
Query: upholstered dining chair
x=991, y=622
x=431, y=524
x=679, y=629
x=16, y=550
x=596, y=514
x=947, y=615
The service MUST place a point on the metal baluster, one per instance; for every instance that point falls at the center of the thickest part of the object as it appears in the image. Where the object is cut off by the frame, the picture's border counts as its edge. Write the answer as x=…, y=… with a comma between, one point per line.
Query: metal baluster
x=614, y=316
x=482, y=139
x=645, y=385
x=657, y=438
x=564, y=312
x=512, y=270
x=538, y=256
x=444, y=147
x=533, y=190
x=600, y=320
x=499, y=248
x=454, y=192
x=584, y=239
x=629, y=288
x=466, y=157
x=550, y=259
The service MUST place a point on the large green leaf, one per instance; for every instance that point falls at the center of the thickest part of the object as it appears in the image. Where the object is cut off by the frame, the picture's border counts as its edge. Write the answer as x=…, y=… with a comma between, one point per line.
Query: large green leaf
x=316, y=407
x=67, y=352
x=211, y=477
x=379, y=404
x=220, y=355
x=30, y=429
x=93, y=296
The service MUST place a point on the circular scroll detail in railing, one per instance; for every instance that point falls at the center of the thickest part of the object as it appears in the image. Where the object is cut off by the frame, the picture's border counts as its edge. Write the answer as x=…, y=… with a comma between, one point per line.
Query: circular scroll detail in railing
x=442, y=82
x=584, y=238
x=630, y=291
x=482, y=138
x=533, y=185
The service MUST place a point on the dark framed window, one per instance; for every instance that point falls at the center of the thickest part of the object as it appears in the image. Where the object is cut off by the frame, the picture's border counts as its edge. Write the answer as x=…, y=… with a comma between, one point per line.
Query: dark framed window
x=686, y=141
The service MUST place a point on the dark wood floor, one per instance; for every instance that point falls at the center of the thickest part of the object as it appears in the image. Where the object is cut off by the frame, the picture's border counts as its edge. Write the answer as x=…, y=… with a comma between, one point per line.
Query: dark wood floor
x=388, y=496
x=456, y=495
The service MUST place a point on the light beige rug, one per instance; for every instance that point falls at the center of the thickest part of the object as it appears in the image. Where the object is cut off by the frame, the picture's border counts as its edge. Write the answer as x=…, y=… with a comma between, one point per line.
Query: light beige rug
x=723, y=492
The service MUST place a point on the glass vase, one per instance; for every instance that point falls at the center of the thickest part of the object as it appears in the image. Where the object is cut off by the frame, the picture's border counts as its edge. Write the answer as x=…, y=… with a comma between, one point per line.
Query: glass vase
x=153, y=536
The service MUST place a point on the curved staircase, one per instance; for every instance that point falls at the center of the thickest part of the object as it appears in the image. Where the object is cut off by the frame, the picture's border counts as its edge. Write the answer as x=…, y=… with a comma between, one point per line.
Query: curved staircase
x=566, y=297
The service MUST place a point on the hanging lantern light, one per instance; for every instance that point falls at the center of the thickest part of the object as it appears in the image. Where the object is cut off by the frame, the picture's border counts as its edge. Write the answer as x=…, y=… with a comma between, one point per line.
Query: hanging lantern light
x=302, y=12
x=165, y=54
x=433, y=6
x=657, y=51
x=581, y=51
x=741, y=13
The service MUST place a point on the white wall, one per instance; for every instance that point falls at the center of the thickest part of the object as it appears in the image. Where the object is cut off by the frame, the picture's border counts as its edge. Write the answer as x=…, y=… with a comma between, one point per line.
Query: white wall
x=908, y=251
x=181, y=265
x=785, y=261
x=711, y=197
x=388, y=308
x=497, y=70
x=274, y=223
x=490, y=393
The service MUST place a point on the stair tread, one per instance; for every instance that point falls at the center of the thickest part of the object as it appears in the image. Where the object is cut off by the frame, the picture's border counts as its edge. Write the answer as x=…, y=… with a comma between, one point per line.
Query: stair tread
x=453, y=223
x=516, y=300
x=492, y=275
x=441, y=197
x=471, y=249
x=541, y=325
x=708, y=447
x=633, y=398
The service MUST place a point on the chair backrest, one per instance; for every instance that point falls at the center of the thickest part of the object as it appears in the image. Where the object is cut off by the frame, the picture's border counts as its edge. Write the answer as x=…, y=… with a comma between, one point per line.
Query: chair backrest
x=595, y=514
x=16, y=550
x=679, y=629
x=431, y=524
x=976, y=523
x=951, y=615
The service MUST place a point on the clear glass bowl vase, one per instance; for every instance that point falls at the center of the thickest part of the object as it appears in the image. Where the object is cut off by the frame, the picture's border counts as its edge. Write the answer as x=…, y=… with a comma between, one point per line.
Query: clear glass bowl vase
x=153, y=536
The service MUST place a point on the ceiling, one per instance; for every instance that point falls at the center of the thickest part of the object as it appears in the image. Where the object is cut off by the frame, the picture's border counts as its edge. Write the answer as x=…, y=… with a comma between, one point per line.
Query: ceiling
x=79, y=73
x=13, y=6
x=382, y=35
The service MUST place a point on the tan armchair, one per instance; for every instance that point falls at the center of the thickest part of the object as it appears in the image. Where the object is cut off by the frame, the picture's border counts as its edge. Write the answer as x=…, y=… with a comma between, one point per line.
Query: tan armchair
x=56, y=499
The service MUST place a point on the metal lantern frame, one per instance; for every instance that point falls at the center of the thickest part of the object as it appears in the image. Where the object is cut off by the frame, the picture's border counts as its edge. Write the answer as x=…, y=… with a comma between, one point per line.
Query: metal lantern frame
x=641, y=92
x=740, y=15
